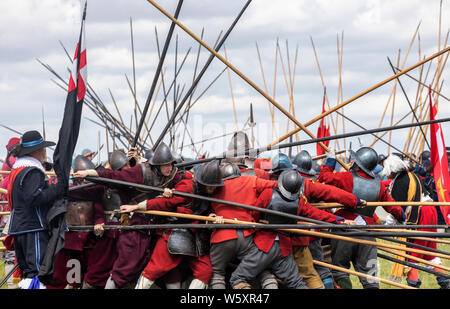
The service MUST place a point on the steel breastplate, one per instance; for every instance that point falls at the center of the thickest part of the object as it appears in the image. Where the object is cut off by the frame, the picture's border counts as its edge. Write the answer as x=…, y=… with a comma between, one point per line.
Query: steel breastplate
x=281, y=204
x=182, y=241
x=80, y=213
x=111, y=200
x=368, y=190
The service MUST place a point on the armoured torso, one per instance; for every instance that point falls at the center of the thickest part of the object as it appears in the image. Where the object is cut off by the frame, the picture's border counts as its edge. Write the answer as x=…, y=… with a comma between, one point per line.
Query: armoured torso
x=80, y=213
x=368, y=190
x=281, y=204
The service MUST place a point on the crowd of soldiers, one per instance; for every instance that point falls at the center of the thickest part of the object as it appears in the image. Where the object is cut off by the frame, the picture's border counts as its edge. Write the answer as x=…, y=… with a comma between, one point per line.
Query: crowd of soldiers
x=200, y=258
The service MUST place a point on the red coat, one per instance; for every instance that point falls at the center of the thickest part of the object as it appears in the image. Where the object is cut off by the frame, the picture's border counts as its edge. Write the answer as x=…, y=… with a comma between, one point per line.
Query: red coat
x=175, y=203
x=260, y=173
x=319, y=192
x=244, y=190
x=344, y=180
x=264, y=238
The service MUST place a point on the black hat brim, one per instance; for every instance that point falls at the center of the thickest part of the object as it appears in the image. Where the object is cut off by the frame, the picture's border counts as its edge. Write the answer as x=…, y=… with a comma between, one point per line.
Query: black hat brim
x=27, y=150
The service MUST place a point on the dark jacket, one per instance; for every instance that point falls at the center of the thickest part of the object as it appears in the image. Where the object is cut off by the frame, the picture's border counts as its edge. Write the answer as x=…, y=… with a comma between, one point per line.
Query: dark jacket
x=31, y=198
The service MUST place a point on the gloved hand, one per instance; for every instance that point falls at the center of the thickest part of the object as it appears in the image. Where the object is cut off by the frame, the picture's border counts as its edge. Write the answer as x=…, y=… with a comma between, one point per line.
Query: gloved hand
x=390, y=220
x=331, y=154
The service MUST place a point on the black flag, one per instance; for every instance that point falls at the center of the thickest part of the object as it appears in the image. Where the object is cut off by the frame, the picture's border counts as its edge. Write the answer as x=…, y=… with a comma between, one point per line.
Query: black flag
x=62, y=157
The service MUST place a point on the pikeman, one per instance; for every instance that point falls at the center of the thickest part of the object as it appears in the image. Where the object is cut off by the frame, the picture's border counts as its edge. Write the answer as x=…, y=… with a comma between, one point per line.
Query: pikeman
x=76, y=244
x=178, y=245
x=239, y=143
x=280, y=163
x=159, y=171
x=362, y=182
x=273, y=249
x=30, y=197
x=308, y=248
x=407, y=186
x=228, y=245
x=106, y=202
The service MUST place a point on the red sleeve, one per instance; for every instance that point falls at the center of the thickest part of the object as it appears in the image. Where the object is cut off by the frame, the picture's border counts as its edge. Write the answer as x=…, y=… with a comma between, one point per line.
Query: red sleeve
x=342, y=180
x=262, y=201
x=262, y=184
x=262, y=174
x=169, y=204
x=396, y=211
x=132, y=174
x=321, y=192
x=308, y=211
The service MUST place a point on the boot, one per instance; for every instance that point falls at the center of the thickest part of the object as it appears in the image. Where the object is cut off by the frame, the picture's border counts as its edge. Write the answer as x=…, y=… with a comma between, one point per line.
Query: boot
x=242, y=286
x=144, y=283
x=344, y=283
x=110, y=284
x=173, y=286
x=197, y=284
x=87, y=286
x=443, y=282
x=328, y=283
x=415, y=284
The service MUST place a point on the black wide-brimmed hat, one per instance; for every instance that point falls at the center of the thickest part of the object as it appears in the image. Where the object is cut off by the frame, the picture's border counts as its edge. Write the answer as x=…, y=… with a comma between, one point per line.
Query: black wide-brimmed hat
x=32, y=141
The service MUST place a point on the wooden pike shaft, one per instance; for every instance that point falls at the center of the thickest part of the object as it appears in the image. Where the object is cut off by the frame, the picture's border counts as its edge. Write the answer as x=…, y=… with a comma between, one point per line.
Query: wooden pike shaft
x=245, y=78
x=416, y=259
x=295, y=231
x=361, y=94
x=352, y=272
x=375, y=204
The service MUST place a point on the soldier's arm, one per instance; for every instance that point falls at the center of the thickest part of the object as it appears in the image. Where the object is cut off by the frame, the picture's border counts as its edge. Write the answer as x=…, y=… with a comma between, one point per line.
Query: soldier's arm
x=306, y=210
x=396, y=211
x=35, y=191
x=321, y=192
x=263, y=184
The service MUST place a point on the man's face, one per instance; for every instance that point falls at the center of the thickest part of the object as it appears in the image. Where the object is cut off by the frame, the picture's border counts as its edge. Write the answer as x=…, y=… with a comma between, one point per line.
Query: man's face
x=166, y=169
x=210, y=189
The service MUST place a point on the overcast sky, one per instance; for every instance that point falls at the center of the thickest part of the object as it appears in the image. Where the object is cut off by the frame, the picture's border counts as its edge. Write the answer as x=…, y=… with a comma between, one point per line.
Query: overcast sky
x=371, y=30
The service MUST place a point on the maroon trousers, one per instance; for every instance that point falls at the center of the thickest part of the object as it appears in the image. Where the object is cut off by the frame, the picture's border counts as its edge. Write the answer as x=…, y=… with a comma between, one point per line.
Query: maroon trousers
x=134, y=250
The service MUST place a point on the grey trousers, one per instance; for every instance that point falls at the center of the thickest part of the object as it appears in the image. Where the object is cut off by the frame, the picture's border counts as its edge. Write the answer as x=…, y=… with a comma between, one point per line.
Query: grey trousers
x=221, y=254
x=257, y=261
x=315, y=247
x=363, y=258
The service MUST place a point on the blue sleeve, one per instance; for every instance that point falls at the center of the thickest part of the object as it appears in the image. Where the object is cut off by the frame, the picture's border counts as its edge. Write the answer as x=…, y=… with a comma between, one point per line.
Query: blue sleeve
x=330, y=162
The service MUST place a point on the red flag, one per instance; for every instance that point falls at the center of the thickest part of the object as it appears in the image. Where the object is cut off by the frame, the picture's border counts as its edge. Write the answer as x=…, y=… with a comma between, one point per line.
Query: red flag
x=439, y=162
x=323, y=130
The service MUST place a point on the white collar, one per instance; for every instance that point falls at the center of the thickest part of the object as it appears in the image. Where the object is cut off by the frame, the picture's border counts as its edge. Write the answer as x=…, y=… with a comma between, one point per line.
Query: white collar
x=28, y=161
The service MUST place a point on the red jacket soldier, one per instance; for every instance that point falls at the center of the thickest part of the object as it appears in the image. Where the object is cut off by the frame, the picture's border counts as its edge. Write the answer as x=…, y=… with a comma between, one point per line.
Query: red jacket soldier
x=361, y=181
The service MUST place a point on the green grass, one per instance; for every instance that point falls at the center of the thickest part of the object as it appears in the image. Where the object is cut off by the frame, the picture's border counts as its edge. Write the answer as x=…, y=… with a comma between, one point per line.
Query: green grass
x=385, y=266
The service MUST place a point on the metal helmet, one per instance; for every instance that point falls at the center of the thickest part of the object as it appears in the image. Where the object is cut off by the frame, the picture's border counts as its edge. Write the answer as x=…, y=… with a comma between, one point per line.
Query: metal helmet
x=281, y=162
x=209, y=174
x=149, y=154
x=316, y=167
x=82, y=163
x=303, y=161
x=289, y=183
x=229, y=171
x=425, y=155
x=239, y=142
x=117, y=160
x=366, y=158
x=162, y=156
x=381, y=158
